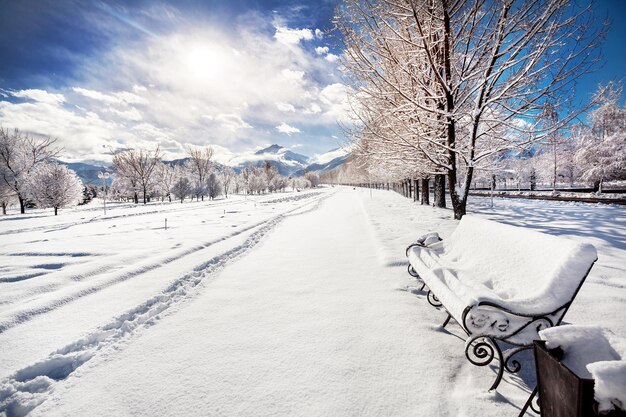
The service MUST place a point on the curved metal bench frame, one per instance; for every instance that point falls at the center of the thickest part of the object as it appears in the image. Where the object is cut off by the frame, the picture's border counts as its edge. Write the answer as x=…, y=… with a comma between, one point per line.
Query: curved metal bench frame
x=488, y=323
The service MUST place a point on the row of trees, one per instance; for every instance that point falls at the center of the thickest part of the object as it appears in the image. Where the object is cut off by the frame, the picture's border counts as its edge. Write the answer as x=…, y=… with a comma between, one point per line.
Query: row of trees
x=29, y=173
x=593, y=153
x=142, y=173
x=444, y=88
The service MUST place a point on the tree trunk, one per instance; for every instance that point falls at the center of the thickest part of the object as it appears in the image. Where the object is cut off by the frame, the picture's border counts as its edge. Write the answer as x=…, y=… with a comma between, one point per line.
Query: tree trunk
x=22, y=204
x=596, y=186
x=416, y=187
x=4, y=208
x=136, y=198
x=439, y=188
x=144, y=197
x=425, y=191
x=56, y=211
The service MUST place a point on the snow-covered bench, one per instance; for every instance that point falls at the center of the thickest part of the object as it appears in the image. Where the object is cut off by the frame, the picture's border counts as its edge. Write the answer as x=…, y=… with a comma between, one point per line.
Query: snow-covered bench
x=501, y=283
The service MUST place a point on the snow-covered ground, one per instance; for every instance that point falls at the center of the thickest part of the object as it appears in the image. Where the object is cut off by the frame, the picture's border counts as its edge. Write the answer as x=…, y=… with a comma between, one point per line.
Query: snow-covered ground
x=284, y=304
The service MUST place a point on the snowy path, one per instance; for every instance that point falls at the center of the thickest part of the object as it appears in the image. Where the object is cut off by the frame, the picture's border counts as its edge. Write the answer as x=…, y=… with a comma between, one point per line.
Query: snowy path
x=309, y=323
x=319, y=319
x=128, y=263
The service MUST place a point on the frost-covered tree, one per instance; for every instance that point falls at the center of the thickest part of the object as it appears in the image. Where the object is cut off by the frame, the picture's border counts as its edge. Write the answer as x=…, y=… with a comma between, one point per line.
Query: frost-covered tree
x=270, y=173
x=256, y=179
x=228, y=178
x=19, y=155
x=137, y=166
x=602, y=150
x=7, y=195
x=200, y=166
x=451, y=83
x=313, y=178
x=278, y=183
x=165, y=176
x=182, y=187
x=239, y=183
x=52, y=185
x=213, y=185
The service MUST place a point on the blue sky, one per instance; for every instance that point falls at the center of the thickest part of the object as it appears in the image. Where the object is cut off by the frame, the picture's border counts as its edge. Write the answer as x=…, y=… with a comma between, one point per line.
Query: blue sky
x=235, y=74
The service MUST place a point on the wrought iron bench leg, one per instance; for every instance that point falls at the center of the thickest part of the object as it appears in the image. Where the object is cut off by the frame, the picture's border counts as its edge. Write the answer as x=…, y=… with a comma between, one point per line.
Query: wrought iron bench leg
x=529, y=403
x=433, y=300
x=445, y=323
x=481, y=351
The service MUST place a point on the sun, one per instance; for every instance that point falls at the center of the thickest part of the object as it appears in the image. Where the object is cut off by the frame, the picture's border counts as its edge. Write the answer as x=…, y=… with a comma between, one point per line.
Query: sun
x=203, y=62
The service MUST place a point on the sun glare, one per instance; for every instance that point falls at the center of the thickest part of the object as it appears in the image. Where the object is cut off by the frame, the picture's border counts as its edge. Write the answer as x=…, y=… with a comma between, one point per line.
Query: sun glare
x=203, y=62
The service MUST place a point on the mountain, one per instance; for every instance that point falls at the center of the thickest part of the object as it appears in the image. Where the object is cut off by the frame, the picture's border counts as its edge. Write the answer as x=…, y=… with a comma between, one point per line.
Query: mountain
x=285, y=161
x=88, y=172
x=326, y=161
x=288, y=163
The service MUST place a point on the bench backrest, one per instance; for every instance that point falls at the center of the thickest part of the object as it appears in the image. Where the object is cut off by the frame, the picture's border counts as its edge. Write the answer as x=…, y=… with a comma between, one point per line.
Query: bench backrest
x=518, y=263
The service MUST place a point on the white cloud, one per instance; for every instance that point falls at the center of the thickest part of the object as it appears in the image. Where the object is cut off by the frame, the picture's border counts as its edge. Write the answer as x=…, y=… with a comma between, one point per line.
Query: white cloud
x=285, y=107
x=285, y=128
x=319, y=34
x=130, y=114
x=232, y=89
x=334, y=97
x=120, y=97
x=292, y=36
x=232, y=122
x=321, y=50
x=331, y=58
x=41, y=96
x=314, y=108
x=293, y=75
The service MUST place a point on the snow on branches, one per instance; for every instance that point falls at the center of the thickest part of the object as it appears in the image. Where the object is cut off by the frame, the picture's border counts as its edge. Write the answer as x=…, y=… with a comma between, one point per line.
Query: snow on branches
x=52, y=185
x=441, y=87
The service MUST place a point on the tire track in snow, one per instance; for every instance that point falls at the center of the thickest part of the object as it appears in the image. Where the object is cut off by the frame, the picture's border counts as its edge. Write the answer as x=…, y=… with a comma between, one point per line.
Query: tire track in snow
x=169, y=209
x=28, y=387
x=18, y=317
x=63, y=226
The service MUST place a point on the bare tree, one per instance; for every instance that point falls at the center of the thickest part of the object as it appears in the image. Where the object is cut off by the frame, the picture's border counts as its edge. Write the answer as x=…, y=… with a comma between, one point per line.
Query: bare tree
x=165, y=177
x=138, y=167
x=455, y=82
x=6, y=196
x=19, y=154
x=228, y=178
x=270, y=173
x=201, y=166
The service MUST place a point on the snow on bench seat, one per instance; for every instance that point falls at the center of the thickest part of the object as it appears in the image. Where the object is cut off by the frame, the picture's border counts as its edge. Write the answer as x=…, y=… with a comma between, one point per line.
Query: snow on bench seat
x=502, y=282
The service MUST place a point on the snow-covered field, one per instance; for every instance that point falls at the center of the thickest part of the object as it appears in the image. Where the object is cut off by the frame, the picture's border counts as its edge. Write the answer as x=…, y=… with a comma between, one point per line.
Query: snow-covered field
x=283, y=304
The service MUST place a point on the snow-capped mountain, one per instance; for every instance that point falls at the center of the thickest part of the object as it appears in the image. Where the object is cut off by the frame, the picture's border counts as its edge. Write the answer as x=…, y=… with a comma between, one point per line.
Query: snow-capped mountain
x=329, y=160
x=286, y=162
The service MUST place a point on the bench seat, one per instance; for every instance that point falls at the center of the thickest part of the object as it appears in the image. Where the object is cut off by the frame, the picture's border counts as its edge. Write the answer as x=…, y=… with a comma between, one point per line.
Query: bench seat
x=502, y=282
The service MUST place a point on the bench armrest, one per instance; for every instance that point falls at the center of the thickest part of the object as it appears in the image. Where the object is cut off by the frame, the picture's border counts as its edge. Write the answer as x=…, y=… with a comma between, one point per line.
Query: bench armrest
x=487, y=318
